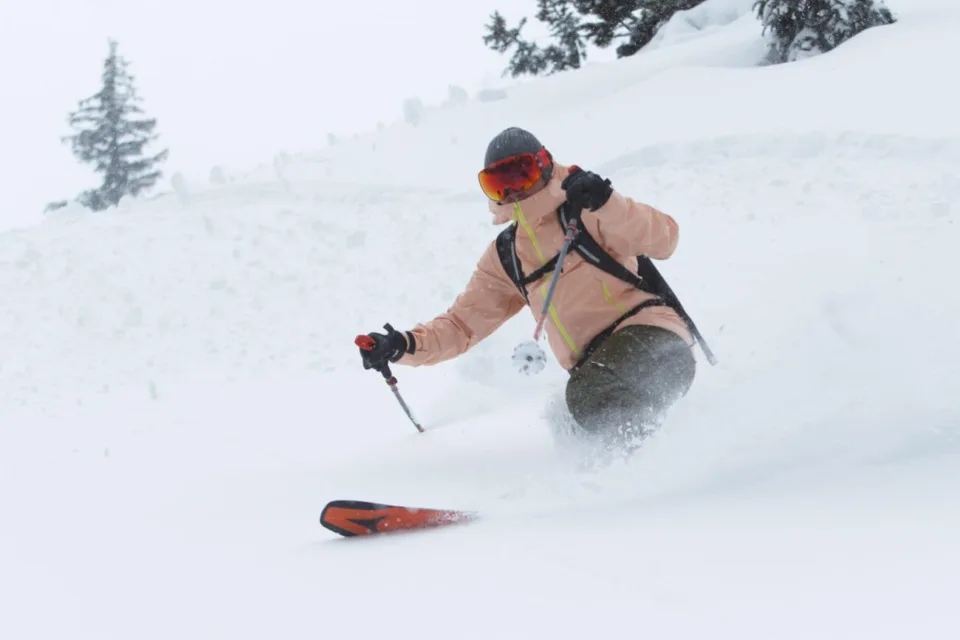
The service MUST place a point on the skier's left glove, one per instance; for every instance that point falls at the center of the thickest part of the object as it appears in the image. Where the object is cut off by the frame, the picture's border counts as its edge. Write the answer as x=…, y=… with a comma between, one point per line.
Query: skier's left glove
x=380, y=349
x=586, y=189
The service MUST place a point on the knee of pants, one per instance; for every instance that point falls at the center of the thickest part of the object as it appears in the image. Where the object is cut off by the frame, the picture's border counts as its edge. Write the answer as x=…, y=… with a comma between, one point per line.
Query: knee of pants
x=596, y=409
x=629, y=385
x=601, y=399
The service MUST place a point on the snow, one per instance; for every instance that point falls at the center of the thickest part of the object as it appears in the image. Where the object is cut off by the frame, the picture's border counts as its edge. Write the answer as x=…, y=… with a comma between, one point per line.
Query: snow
x=692, y=23
x=180, y=394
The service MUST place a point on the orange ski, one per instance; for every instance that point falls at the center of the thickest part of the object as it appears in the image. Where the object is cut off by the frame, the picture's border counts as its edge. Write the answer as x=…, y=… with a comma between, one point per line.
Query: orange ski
x=357, y=518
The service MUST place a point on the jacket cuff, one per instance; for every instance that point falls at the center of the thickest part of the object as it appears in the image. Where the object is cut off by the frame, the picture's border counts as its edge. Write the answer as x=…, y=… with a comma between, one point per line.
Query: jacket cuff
x=411, y=343
x=407, y=357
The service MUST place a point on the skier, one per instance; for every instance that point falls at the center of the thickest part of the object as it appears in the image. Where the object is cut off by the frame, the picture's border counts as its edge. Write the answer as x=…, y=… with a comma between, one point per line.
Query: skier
x=628, y=352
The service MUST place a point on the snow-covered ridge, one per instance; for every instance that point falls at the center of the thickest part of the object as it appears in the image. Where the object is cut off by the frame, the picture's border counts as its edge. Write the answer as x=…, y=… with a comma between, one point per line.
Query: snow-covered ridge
x=242, y=279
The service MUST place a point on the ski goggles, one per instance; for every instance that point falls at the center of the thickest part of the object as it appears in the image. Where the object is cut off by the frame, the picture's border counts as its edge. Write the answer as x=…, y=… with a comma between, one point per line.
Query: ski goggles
x=516, y=174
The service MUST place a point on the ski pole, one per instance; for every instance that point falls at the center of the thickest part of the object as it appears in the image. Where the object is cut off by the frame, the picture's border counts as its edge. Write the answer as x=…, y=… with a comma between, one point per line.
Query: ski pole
x=367, y=344
x=568, y=237
x=660, y=284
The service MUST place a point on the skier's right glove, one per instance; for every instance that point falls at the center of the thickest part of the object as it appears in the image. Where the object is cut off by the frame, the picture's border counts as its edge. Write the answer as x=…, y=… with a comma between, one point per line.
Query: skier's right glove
x=377, y=349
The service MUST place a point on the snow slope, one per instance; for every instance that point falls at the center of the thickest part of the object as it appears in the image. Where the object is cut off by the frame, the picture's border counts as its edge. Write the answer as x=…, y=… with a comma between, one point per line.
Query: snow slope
x=179, y=392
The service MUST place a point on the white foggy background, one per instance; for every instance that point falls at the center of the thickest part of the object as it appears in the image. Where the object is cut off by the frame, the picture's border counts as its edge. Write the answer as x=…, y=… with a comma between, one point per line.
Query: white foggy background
x=231, y=83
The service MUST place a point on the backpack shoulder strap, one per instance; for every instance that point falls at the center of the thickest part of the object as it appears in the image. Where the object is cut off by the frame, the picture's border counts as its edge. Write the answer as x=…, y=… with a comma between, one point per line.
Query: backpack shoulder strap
x=647, y=278
x=591, y=251
x=507, y=252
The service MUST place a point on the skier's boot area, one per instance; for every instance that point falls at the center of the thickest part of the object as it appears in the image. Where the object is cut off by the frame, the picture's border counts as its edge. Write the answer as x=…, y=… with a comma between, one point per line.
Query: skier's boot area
x=620, y=394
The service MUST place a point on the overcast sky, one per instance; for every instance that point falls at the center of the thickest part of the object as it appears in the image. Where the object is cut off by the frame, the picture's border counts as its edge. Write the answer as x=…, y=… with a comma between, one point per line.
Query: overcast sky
x=230, y=81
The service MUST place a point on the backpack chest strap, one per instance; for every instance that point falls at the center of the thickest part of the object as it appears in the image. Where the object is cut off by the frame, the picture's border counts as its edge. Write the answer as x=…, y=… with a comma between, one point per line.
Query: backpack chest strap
x=507, y=251
x=542, y=271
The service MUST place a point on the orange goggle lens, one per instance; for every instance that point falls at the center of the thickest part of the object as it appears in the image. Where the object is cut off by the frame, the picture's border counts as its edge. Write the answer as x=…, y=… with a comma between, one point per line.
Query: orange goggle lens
x=515, y=174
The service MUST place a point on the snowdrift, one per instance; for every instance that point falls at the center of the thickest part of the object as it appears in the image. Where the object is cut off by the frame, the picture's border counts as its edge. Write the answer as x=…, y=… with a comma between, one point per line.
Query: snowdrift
x=180, y=393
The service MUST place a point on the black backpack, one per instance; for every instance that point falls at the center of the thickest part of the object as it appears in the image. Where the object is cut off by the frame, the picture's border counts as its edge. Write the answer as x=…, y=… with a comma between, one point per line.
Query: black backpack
x=647, y=278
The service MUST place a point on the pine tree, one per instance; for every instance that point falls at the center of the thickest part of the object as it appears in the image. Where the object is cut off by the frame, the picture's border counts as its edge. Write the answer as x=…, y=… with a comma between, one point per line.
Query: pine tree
x=612, y=19
x=804, y=28
x=575, y=23
x=647, y=22
x=112, y=137
x=570, y=49
x=528, y=57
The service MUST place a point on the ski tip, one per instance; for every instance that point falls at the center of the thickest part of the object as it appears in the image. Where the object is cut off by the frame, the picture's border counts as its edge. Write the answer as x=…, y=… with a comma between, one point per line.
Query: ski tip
x=350, y=518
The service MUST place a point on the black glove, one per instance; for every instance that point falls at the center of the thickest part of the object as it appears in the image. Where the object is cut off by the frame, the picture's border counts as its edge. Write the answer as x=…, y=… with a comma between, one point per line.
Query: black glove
x=586, y=189
x=377, y=349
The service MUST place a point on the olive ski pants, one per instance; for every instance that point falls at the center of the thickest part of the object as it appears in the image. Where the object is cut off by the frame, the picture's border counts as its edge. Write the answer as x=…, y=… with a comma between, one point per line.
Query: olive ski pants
x=623, y=389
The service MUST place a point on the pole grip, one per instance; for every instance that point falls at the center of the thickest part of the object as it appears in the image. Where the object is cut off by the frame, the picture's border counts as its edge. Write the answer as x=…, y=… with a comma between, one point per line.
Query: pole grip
x=367, y=343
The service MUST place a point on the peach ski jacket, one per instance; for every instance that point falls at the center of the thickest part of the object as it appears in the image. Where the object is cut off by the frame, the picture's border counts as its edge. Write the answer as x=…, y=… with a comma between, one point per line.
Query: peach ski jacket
x=586, y=301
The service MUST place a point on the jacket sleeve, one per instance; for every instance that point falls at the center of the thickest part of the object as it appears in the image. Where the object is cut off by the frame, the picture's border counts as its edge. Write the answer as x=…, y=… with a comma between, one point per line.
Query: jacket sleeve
x=489, y=300
x=633, y=228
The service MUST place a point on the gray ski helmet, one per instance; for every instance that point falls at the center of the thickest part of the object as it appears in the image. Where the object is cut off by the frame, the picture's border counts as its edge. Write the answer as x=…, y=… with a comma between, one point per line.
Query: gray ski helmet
x=510, y=142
